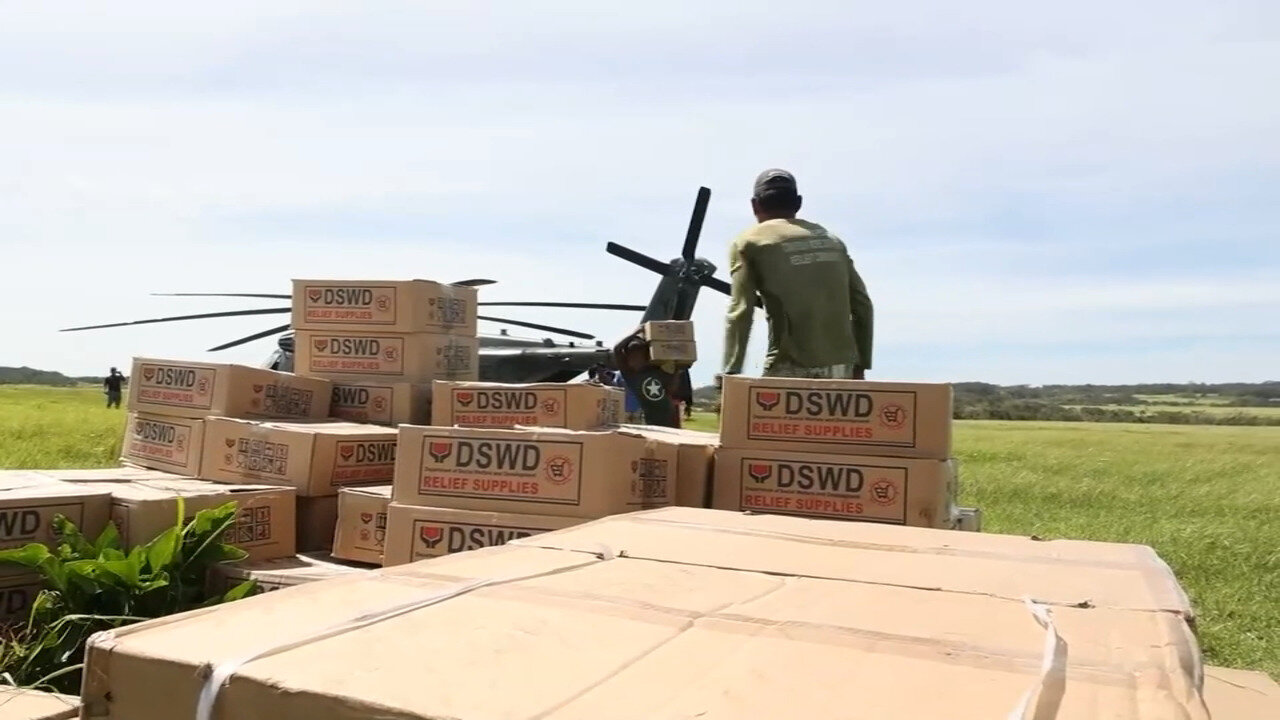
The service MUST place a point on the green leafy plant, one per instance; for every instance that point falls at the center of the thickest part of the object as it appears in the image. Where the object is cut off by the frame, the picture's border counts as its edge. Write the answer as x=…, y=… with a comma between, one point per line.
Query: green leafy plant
x=95, y=585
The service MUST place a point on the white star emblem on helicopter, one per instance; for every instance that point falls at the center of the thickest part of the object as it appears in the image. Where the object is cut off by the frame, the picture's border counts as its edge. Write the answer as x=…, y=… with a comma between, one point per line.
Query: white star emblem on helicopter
x=652, y=389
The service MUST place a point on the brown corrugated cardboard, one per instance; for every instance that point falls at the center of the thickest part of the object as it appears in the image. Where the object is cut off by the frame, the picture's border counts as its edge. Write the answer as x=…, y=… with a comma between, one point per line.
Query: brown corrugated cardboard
x=362, y=524
x=382, y=403
x=667, y=330
x=316, y=458
x=853, y=417
x=696, y=461
x=29, y=501
x=418, y=533
x=575, y=406
x=837, y=487
x=280, y=573
x=194, y=390
x=142, y=509
x=418, y=358
x=673, y=351
x=688, y=613
x=1240, y=694
x=403, y=306
x=536, y=472
x=22, y=704
x=124, y=473
x=18, y=589
x=161, y=442
x=317, y=518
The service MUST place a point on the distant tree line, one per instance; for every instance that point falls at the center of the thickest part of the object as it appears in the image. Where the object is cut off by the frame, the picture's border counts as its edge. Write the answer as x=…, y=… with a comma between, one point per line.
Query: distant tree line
x=1102, y=403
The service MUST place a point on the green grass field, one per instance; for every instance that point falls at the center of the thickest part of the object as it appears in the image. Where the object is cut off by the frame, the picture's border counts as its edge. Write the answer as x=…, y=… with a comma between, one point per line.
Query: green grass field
x=1207, y=498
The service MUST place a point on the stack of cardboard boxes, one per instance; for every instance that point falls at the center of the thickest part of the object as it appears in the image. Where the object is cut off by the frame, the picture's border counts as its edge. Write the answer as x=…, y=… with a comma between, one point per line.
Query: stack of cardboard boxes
x=382, y=343
x=508, y=461
x=837, y=449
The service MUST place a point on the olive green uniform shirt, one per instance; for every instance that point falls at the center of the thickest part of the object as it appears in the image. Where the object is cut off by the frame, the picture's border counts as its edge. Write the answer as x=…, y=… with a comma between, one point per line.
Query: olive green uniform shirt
x=818, y=309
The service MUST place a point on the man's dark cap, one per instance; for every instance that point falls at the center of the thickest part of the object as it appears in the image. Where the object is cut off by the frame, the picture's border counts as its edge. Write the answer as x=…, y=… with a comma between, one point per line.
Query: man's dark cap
x=775, y=181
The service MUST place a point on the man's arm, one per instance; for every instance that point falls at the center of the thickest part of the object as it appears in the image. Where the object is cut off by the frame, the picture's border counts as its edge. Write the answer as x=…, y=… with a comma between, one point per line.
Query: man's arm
x=742, y=306
x=863, y=316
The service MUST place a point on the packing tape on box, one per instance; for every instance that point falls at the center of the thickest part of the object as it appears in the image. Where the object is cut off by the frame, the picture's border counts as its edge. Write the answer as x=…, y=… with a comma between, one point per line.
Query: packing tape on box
x=222, y=672
x=1052, y=682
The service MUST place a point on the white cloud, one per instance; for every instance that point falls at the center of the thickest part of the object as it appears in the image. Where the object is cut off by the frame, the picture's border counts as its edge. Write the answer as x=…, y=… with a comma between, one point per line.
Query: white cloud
x=996, y=167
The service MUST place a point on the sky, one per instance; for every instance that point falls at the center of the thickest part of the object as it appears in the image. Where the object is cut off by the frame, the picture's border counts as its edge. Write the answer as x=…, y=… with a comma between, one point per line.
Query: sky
x=1033, y=193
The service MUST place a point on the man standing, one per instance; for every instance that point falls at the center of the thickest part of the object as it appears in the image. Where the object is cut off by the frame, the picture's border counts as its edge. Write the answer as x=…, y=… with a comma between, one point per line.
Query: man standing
x=113, y=385
x=819, y=313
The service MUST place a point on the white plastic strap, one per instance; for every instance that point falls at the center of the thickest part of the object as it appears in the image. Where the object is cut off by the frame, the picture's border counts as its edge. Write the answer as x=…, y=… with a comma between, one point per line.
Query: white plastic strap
x=223, y=671
x=1050, y=686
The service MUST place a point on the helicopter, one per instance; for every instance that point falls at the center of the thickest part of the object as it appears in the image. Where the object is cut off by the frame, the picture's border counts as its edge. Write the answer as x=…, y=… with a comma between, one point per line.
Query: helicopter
x=505, y=358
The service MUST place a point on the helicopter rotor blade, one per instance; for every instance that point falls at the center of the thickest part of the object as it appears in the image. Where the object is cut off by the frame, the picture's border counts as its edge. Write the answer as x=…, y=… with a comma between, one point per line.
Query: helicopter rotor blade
x=475, y=282
x=695, y=224
x=240, y=295
x=584, y=306
x=250, y=338
x=201, y=316
x=536, y=326
x=644, y=261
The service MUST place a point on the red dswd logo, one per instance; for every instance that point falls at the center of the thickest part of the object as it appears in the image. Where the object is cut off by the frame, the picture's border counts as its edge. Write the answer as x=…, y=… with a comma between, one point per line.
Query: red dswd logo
x=768, y=400
x=431, y=535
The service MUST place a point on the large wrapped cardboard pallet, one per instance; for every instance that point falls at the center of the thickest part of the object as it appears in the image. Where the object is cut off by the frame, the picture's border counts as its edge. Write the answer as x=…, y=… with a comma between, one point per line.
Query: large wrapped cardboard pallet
x=573, y=406
x=183, y=388
x=683, y=613
x=852, y=417
x=903, y=491
x=393, y=306
x=545, y=471
x=1241, y=694
x=317, y=458
x=21, y=704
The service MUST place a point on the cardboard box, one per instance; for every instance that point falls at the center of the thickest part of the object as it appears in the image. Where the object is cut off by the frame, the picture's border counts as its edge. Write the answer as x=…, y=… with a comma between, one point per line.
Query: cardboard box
x=23, y=704
x=317, y=518
x=29, y=501
x=382, y=403
x=575, y=406
x=534, y=472
x=419, y=358
x=18, y=589
x=902, y=491
x=172, y=444
x=668, y=330
x=316, y=458
x=142, y=509
x=694, y=470
x=192, y=389
x=124, y=473
x=853, y=417
x=418, y=533
x=1240, y=694
x=401, y=306
x=280, y=573
x=362, y=524
x=677, y=351
x=707, y=614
